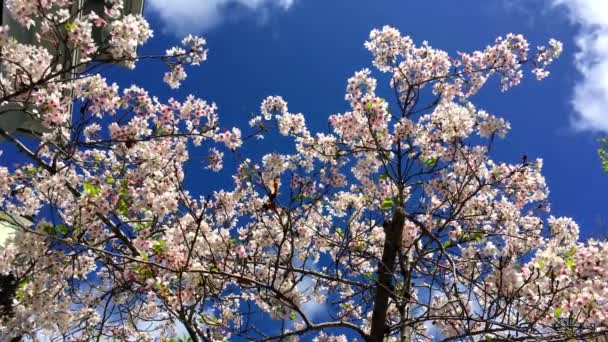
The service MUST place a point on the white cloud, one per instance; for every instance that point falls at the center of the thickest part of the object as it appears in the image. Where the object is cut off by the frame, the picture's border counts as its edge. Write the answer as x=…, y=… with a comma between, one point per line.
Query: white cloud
x=590, y=98
x=311, y=309
x=195, y=16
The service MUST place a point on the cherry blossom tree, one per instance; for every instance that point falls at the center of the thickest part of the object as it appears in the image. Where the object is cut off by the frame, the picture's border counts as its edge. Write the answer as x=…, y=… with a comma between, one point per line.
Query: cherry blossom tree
x=396, y=222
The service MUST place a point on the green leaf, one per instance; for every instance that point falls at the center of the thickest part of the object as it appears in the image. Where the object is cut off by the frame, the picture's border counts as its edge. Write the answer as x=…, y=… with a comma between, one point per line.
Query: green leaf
x=477, y=234
x=370, y=105
x=448, y=244
x=429, y=162
x=77, y=231
x=571, y=252
x=123, y=188
x=110, y=180
x=20, y=294
x=49, y=230
x=123, y=207
x=159, y=246
x=387, y=204
x=91, y=189
x=541, y=263
x=603, y=153
x=70, y=26
x=143, y=256
x=558, y=312
x=62, y=229
x=570, y=262
x=294, y=316
x=385, y=175
x=340, y=232
x=209, y=319
x=138, y=226
x=145, y=272
x=369, y=275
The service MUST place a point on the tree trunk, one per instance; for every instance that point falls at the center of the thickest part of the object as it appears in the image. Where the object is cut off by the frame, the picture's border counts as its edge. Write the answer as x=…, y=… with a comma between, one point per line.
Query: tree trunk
x=193, y=334
x=393, y=231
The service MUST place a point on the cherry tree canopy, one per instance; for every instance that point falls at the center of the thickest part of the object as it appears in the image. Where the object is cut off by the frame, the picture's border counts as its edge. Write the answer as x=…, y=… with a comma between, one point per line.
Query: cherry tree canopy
x=396, y=221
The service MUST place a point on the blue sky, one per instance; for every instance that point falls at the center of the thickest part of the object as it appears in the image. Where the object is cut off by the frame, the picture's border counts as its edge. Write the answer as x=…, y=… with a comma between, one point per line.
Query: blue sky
x=305, y=50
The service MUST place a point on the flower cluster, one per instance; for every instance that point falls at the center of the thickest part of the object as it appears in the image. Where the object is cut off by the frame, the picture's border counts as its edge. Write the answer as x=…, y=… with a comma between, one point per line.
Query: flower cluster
x=323, y=337
x=360, y=84
x=231, y=138
x=194, y=53
x=126, y=34
x=114, y=8
x=273, y=106
x=26, y=11
x=80, y=36
x=215, y=160
x=546, y=56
